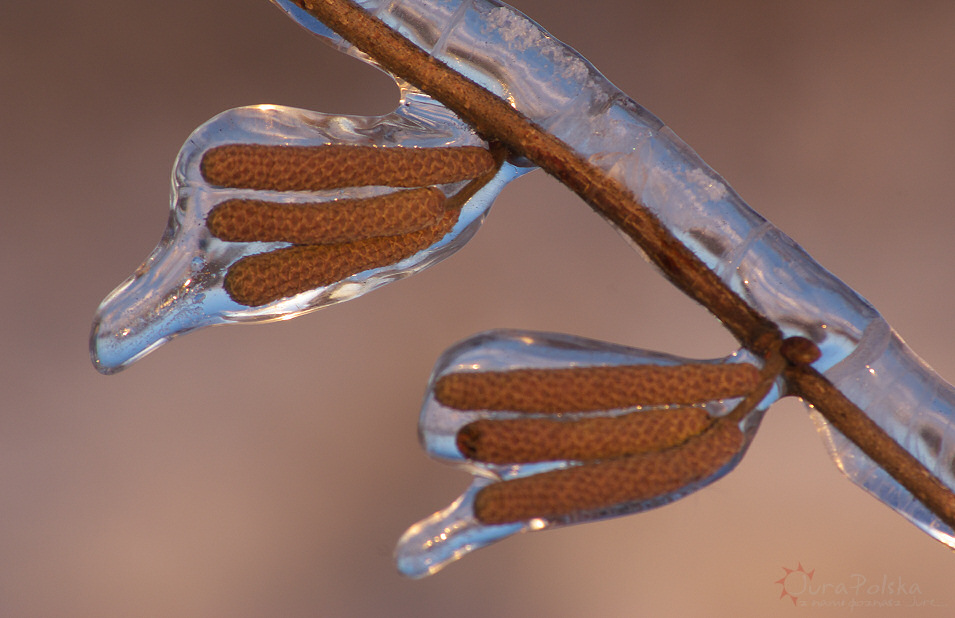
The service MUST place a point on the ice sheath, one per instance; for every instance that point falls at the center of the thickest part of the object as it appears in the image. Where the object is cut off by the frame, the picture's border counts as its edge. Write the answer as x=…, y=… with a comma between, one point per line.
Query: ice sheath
x=514, y=58
x=179, y=287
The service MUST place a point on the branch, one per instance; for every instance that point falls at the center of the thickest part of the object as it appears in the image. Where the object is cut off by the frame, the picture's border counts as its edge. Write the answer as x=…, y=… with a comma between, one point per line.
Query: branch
x=495, y=120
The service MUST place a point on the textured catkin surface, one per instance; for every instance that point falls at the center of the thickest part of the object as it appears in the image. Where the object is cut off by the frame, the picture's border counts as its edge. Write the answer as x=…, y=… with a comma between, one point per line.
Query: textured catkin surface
x=265, y=277
x=601, y=485
x=328, y=222
x=314, y=168
x=538, y=439
x=581, y=389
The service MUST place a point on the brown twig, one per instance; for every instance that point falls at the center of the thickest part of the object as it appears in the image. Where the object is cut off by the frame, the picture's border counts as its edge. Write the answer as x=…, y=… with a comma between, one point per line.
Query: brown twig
x=493, y=119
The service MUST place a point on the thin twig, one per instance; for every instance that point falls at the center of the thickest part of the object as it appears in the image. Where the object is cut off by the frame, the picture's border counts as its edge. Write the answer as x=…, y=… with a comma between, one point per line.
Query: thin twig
x=495, y=120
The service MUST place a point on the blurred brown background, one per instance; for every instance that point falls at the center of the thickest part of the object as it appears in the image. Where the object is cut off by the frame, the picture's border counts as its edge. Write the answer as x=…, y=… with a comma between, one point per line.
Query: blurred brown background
x=269, y=470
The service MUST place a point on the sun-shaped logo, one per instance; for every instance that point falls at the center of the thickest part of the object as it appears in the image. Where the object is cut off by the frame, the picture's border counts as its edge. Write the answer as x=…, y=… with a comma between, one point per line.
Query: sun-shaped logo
x=794, y=582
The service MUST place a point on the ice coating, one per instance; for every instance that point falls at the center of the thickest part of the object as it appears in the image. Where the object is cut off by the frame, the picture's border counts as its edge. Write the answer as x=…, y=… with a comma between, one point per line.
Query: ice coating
x=510, y=55
x=179, y=287
x=913, y=404
x=447, y=535
x=501, y=49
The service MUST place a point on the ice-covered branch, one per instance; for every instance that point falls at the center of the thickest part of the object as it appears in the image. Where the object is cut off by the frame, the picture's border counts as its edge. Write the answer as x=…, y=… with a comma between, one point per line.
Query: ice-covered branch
x=495, y=120
x=279, y=211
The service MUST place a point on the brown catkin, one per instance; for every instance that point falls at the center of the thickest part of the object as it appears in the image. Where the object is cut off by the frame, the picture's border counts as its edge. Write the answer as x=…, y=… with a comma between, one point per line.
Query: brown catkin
x=339, y=221
x=596, y=486
x=529, y=440
x=266, y=277
x=583, y=389
x=335, y=166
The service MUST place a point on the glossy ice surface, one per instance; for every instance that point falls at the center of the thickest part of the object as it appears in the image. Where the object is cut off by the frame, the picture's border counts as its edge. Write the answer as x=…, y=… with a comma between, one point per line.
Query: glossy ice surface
x=179, y=287
x=449, y=534
x=510, y=55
